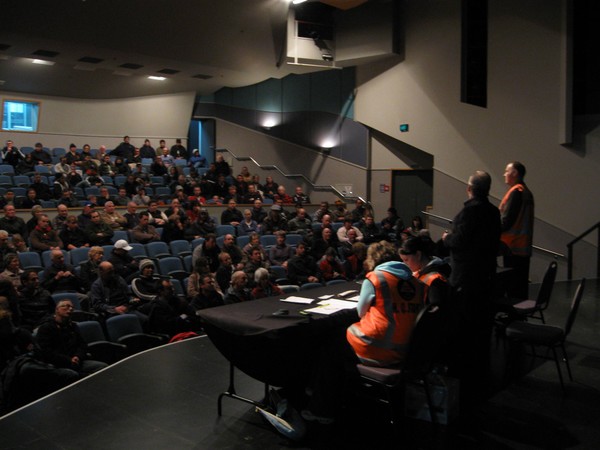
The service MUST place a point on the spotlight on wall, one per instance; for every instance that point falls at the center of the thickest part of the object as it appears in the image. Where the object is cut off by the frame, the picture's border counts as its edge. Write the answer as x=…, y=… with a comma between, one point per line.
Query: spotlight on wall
x=269, y=123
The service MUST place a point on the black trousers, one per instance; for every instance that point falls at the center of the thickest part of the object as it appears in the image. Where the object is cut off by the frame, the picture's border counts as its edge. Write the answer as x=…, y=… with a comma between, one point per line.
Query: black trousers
x=518, y=286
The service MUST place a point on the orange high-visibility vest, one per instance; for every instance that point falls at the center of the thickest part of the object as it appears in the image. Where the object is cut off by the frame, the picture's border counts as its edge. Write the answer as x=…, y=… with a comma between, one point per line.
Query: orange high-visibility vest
x=381, y=336
x=519, y=237
x=427, y=279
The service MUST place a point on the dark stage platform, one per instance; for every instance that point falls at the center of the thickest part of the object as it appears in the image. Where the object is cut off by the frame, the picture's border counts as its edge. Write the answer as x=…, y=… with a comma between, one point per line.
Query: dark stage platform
x=166, y=398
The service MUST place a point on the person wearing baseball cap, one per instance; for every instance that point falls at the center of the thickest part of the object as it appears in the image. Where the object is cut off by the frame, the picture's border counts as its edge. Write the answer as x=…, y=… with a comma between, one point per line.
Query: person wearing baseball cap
x=124, y=264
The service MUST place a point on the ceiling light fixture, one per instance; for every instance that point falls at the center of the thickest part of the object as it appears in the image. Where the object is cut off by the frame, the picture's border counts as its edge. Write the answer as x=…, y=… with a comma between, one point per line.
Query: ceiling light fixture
x=152, y=77
x=42, y=62
x=297, y=2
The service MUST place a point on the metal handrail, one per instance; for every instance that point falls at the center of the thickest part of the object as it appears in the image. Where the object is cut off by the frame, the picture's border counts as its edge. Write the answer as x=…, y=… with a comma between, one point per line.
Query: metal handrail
x=541, y=249
x=288, y=175
x=577, y=239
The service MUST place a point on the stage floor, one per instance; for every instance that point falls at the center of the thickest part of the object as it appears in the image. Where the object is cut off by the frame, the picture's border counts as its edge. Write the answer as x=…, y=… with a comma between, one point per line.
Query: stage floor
x=166, y=398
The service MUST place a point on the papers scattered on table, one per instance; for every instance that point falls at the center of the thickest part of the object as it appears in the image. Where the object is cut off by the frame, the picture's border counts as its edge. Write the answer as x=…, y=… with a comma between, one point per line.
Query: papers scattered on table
x=347, y=293
x=294, y=299
x=325, y=297
x=330, y=306
x=353, y=299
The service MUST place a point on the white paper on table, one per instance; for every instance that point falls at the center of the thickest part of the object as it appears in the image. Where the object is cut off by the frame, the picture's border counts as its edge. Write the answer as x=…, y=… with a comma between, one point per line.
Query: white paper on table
x=353, y=299
x=325, y=297
x=294, y=299
x=331, y=306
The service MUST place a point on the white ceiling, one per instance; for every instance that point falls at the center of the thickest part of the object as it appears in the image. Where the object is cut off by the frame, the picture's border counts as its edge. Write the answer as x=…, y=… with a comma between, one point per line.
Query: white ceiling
x=234, y=42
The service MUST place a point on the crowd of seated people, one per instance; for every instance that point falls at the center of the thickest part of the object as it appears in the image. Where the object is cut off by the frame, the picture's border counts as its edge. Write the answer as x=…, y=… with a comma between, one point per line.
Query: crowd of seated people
x=227, y=265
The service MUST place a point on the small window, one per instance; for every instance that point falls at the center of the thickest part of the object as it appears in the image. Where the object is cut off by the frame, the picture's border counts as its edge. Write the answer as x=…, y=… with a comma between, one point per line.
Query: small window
x=20, y=115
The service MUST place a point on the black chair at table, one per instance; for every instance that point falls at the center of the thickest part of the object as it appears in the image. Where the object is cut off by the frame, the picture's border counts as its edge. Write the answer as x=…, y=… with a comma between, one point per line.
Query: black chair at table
x=551, y=337
x=535, y=308
x=387, y=384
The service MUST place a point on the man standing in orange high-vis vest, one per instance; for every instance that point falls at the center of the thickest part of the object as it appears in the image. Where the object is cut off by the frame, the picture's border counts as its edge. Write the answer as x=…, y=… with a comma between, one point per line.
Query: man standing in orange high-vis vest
x=516, y=213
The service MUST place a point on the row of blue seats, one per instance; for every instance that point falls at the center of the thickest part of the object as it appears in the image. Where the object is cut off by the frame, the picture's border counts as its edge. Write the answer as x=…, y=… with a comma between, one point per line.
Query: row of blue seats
x=152, y=250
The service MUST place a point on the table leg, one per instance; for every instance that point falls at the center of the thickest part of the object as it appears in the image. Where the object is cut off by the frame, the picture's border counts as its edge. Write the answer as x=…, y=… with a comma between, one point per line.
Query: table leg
x=230, y=392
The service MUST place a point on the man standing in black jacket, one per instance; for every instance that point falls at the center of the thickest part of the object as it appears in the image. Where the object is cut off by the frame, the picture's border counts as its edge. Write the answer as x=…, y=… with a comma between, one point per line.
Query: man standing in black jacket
x=473, y=244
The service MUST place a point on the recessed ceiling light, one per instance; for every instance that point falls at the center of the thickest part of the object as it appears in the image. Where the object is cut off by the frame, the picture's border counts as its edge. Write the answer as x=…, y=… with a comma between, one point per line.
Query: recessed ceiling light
x=90, y=60
x=46, y=53
x=152, y=77
x=42, y=62
x=131, y=66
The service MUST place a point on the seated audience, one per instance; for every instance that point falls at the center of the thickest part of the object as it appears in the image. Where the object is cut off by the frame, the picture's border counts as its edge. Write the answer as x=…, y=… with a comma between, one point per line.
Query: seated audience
x=300, y=198
x=88, y=270
x=263, y=286
x=59, y=342
x=224, y=271
x=36, y=303
x=354, y=264
x=238, y=291
x=285, y=198
x=146, y=286
x=123, y=263
x=11, y=223
x=144, y=232
x=302, y=267
x=280, y=253
x=231, y=215
x=275, y=221
x=98, y=232
x=320, y=245
x=133, y=219
x=12, y=270
x=43, y=237
x=112, y=218
x=369, y=230
x=170, y=314
x=330, y=266
x=31, y=199
x=60, y=276
x=255, y=262
x=258, y=212
x=109, y=294
x=248, y=225
x=72, y=236
x=342, y=232
x=209, y=250
x=174, y=229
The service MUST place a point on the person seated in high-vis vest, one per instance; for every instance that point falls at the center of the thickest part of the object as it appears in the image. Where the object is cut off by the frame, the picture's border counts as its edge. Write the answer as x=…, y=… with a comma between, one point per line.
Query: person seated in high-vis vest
x=417, y=253
x=390, y=300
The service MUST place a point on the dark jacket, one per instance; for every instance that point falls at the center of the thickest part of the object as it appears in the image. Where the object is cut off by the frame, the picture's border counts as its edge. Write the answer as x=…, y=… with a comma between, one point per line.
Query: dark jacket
x=473, y=244
x=58, y=343
x=71, y=283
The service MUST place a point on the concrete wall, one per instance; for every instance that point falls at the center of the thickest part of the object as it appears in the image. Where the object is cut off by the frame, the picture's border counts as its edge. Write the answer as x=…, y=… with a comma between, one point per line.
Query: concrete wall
x=524, y=120
x=97, y=122
x=291, y=159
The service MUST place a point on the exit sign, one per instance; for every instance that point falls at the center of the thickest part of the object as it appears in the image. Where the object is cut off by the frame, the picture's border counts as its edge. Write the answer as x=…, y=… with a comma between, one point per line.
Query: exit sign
x=403, y=127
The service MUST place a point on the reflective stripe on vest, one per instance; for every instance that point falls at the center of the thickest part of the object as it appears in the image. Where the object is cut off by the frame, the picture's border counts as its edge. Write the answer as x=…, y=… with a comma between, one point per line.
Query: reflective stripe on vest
x=519, y=237
x=381, y=337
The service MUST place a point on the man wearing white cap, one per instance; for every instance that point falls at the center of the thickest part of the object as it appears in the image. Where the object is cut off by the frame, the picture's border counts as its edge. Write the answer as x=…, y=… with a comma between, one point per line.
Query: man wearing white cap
x=122, y=261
